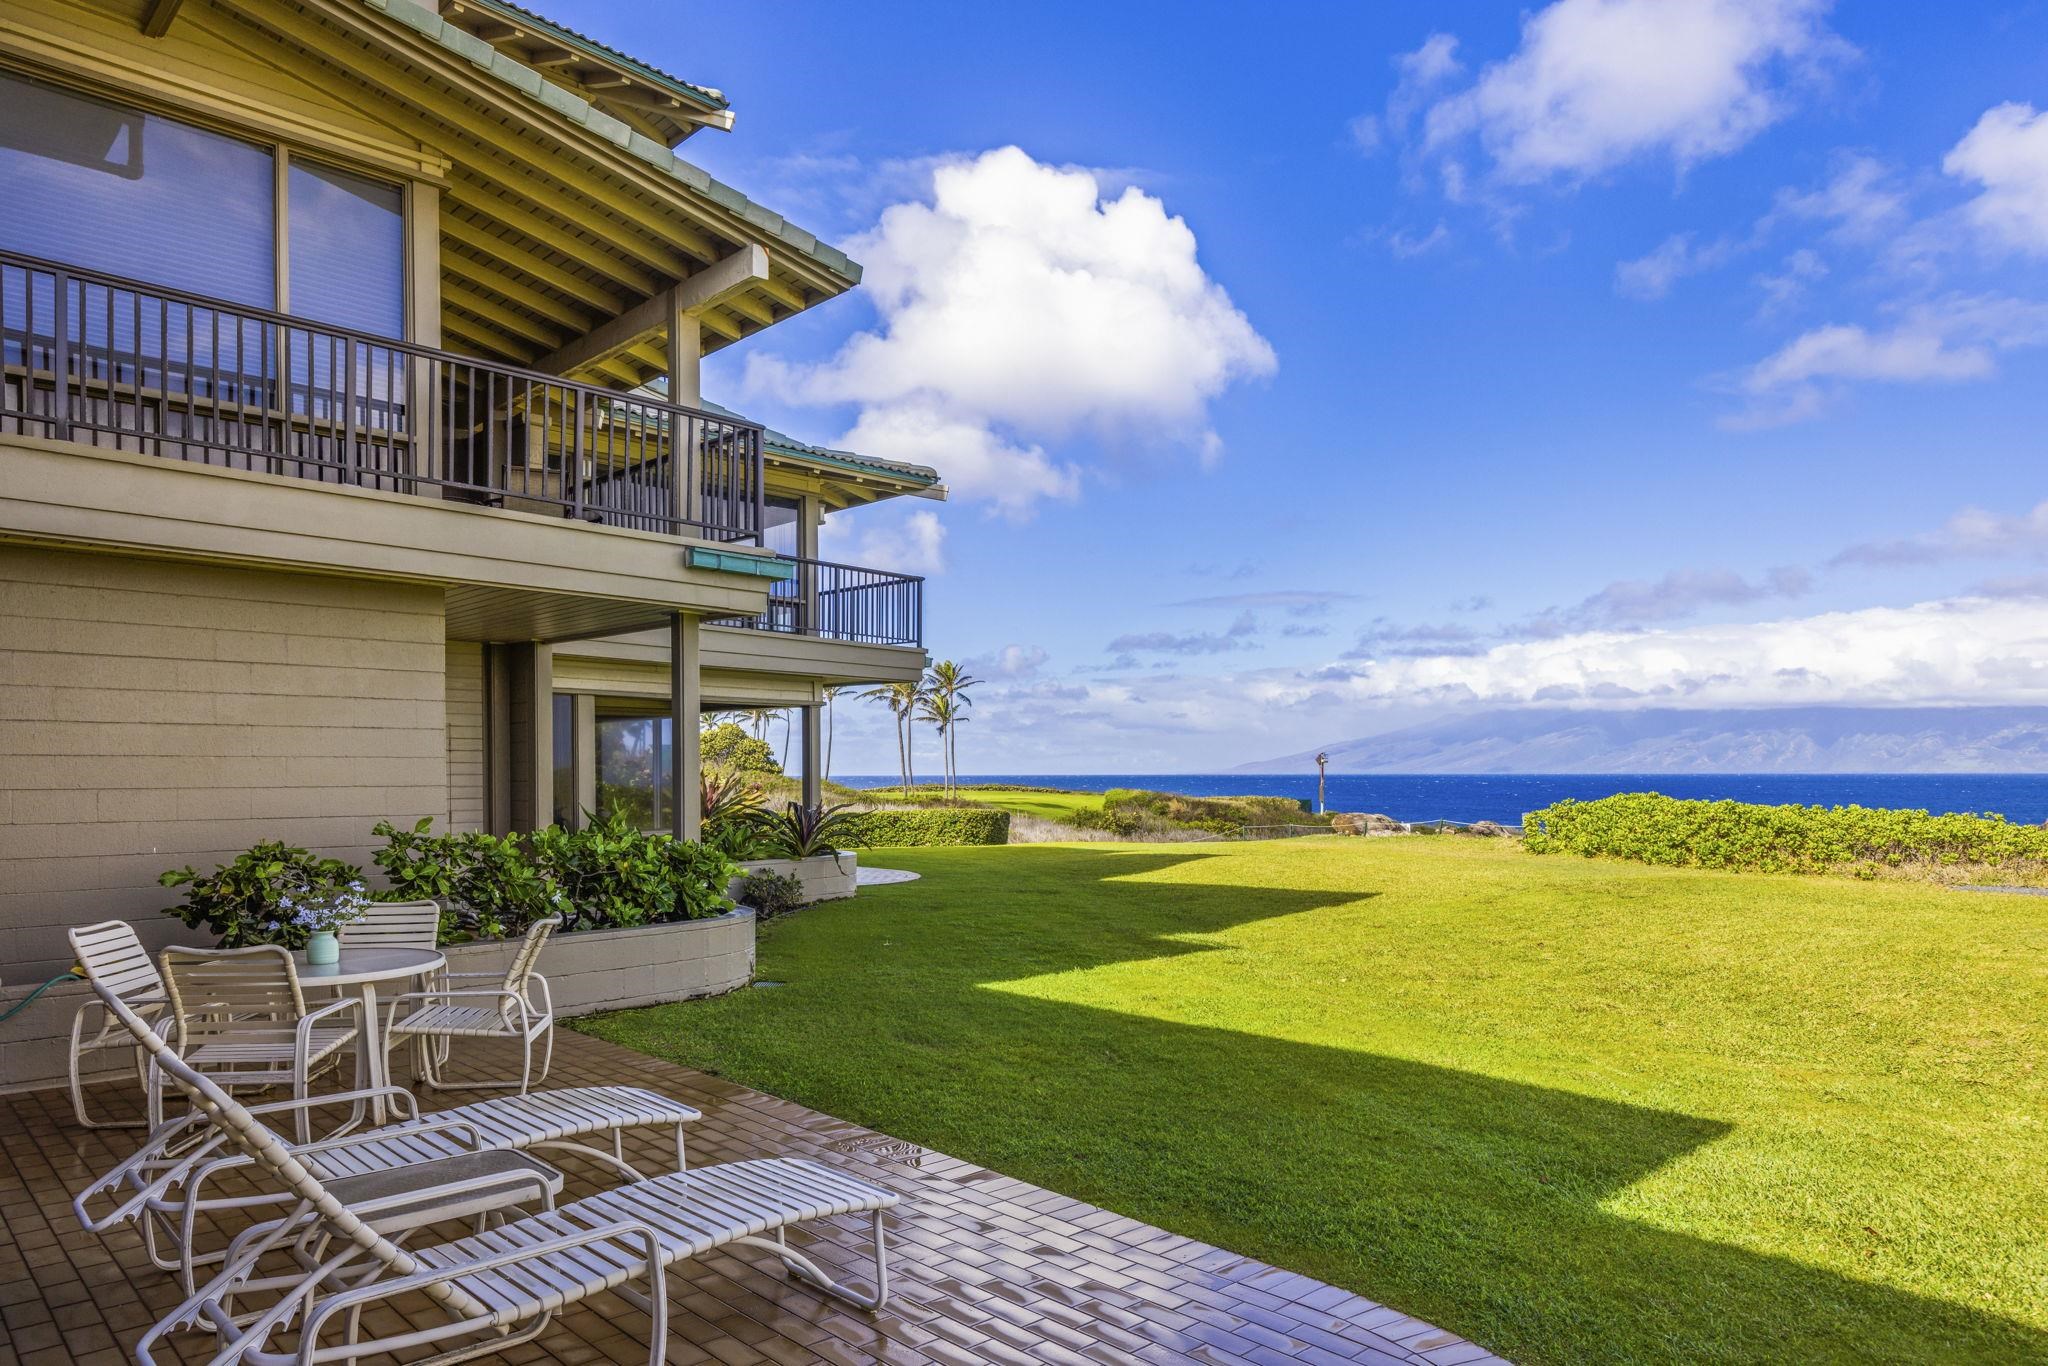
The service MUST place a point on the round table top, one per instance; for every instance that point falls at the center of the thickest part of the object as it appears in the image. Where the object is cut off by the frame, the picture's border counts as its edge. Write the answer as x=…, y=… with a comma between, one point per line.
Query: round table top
x=359, y=966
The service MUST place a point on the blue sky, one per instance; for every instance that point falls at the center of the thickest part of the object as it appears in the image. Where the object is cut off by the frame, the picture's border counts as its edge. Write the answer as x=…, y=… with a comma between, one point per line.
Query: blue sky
x=1403, y=357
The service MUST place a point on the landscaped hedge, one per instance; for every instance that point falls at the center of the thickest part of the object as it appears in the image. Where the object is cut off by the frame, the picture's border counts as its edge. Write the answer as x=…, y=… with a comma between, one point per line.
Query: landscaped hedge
x=1649, y=828
x=941, y=825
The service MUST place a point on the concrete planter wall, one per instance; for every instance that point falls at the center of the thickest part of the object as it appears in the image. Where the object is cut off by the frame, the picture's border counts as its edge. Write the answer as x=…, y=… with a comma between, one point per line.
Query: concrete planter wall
x=826, y=877
x=592, y=970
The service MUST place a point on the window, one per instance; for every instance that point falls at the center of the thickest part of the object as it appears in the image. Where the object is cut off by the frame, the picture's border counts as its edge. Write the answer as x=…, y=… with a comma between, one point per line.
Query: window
x=129, y=193
x=116, y=190
x=347, y=250
x=782, y=530
x=565, y=811
x=634, y=755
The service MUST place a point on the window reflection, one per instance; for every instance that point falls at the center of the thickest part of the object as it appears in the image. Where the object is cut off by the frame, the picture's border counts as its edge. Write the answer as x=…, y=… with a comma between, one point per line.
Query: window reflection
x=633, y=759
x=347, y=250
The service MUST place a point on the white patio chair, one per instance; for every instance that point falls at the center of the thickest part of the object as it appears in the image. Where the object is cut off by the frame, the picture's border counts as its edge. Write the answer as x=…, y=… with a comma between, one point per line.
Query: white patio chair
x=241, y=1018
x=497, y=1288
x=113, y=957
x=519, y=1007
x=402, y=925
x=164, y=1187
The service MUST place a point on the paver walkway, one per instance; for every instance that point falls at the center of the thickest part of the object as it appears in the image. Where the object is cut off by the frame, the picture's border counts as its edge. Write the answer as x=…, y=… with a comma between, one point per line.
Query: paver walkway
x=984, y=1269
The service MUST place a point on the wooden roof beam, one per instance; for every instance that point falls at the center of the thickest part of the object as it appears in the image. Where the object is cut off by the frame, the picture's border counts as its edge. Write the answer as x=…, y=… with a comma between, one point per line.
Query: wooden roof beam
x=716, y=284
x=158, y=18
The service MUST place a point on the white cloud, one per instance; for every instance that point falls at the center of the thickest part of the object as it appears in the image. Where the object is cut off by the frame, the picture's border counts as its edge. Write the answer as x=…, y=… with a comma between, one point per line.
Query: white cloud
x=1973, y=533
x=1858, y=199
x=1784, y=289
x=1598, y=83
x=1020, y=305
x=1959, y=650
x=977, y=464
x=1947, y=340
x=909, y=543
x=1651, y=276
x=2007, y=154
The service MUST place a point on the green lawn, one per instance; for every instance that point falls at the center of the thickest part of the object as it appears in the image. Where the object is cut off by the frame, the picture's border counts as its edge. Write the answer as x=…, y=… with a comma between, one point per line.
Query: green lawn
x=1578, y=1111
x=1045, y=805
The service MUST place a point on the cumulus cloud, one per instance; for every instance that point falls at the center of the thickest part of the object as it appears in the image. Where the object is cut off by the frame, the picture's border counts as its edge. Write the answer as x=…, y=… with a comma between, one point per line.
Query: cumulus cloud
x=1948, y=340
x=1599, y=83
x=909, y=543
x=1021, y=304
x=1788, y=285
x=1012, y=661
x=1973, y=533
x=2007, y=154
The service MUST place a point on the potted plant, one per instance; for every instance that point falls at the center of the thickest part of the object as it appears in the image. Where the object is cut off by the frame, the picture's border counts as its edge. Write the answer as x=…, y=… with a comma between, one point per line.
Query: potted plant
x=320, y=911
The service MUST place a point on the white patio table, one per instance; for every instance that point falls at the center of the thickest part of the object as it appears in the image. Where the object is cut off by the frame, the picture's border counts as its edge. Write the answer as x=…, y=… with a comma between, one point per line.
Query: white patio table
x=362, y=970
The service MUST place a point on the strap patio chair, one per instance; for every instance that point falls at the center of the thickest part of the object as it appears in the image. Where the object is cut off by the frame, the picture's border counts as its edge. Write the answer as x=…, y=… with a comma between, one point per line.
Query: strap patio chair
x=166, y=1186
x=241, y=1018
x=495, y=1289
x=518, y=1007
x=402, y=925
x=113, y=957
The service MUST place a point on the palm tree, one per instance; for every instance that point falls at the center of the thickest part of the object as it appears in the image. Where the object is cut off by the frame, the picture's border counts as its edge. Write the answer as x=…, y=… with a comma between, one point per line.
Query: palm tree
x=944, y=713
x=946, y=679
x=831, y=696
x=902, y=700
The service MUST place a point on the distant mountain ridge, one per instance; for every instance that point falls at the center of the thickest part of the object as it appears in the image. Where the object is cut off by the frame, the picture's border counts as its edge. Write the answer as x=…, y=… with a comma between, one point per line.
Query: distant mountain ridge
x=1669, y=740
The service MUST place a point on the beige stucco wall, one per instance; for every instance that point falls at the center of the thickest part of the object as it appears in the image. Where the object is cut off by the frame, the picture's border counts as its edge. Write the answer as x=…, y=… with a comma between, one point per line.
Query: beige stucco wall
x=156, y=713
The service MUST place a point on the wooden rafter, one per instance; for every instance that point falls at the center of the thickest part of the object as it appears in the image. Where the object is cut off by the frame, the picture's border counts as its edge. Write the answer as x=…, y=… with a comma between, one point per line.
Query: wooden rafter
x=157, y=20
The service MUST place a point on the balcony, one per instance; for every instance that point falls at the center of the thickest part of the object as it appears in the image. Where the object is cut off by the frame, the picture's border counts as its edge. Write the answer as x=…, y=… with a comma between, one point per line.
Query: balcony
x=842, y=602
x=114, y=363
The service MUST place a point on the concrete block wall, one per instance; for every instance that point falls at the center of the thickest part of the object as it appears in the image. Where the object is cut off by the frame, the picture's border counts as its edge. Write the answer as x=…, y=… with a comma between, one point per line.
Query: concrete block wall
x=593, y=970
x=157, y=713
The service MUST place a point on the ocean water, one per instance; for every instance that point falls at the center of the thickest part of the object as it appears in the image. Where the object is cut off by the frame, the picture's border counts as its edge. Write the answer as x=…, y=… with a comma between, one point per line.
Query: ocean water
x=1504, y=797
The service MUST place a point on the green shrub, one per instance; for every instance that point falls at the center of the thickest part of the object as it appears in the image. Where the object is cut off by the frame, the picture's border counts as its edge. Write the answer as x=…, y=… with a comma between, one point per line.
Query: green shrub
x=771, y=894
x=242, y=901
x=614, y=874
x=487, y=886
x=1218, y=815
x=727, y=745
x=1865, y=841
x=943, y=825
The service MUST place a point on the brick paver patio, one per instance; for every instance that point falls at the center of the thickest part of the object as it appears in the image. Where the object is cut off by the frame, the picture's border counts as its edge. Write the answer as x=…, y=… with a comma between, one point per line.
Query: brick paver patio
x=983, y=1268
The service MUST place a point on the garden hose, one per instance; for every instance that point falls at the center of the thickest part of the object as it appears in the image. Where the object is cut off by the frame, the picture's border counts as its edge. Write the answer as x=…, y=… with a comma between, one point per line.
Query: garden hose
x=77, y=974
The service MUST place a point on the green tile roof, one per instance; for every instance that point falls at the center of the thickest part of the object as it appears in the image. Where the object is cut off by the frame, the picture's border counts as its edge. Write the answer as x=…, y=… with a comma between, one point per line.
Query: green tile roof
x=702, y=96
x=789, y=448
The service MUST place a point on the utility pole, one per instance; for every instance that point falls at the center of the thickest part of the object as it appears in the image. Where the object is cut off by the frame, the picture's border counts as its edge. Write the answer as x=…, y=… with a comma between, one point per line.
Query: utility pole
x=1322, y=775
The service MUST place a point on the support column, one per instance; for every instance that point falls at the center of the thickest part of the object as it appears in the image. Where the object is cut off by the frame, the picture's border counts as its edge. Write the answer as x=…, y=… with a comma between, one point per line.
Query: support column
x=813, y=755
x=685, y=703
x=583, y=749
x=522, y=737
x=686, y=386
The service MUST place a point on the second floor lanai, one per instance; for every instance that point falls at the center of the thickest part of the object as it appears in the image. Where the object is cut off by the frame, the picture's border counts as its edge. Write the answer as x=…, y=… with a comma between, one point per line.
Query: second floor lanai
x=376, y=249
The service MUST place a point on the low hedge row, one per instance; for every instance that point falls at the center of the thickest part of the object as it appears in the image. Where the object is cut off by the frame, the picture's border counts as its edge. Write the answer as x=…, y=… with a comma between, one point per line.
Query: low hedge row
x=1650, y=828
x=949, y=825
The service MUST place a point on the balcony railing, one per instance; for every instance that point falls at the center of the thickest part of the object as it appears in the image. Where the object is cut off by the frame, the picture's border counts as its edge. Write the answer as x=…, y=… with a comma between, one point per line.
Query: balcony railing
x=110, y=362
x=843, y=602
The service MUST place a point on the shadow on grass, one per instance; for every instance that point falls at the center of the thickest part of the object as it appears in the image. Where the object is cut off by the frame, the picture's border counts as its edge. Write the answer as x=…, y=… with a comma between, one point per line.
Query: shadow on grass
x=1469, y=1201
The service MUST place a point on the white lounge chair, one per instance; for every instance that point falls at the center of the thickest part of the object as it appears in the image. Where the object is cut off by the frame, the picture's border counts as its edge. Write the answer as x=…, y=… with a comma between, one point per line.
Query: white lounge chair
x=519, y=1007
x=113, y=957
x=164, y=1186
x=497, y=1288
x=241, y=1017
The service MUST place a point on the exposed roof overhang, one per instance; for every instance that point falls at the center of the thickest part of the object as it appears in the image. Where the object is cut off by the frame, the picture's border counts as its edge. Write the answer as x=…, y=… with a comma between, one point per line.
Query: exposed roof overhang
x=556, y=216
x=643, y=97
